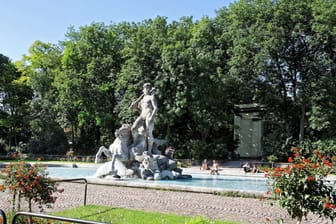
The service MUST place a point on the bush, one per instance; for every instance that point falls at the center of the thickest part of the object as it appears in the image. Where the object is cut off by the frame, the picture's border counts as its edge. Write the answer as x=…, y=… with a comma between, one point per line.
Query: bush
x=302, y=187
x=278, y=143
x=326, y=146
x=31, y=182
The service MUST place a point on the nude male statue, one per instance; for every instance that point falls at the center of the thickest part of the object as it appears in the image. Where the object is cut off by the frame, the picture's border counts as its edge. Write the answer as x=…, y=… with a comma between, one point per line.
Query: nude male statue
x=147, y=105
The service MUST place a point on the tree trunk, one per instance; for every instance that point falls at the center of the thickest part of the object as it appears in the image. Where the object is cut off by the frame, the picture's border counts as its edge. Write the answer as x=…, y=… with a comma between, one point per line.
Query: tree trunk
x=299, y=220
x=73, y=134
x=167, y=132
x=98, y=134
x=302, y=122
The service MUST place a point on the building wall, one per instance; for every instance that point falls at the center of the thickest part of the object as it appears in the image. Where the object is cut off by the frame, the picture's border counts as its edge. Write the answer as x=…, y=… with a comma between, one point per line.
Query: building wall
x=248, y=129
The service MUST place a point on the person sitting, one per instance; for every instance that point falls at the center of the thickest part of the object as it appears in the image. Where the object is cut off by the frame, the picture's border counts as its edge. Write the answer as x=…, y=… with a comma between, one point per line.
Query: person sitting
x=215, y=167
x=247, y=167
x=254, y=168
x=204, y=165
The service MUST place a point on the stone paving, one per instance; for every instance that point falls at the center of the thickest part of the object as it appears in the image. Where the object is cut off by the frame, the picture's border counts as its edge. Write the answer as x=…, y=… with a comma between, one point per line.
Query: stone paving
x=244, y=210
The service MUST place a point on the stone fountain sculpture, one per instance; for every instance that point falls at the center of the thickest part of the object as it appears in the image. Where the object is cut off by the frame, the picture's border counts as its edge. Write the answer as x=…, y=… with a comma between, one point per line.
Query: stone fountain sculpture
x=134, y=152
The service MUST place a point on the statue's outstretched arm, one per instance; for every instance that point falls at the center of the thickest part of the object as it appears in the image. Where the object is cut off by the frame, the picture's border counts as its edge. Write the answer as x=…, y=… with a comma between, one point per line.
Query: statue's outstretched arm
x=137, y=101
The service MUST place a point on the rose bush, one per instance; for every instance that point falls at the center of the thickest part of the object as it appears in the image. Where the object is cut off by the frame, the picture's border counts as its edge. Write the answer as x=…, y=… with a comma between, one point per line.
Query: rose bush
x=31, y=182
x=302, y=187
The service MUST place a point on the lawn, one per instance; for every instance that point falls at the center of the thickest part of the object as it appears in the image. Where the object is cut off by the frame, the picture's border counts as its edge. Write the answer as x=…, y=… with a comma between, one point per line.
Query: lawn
x=107, y=214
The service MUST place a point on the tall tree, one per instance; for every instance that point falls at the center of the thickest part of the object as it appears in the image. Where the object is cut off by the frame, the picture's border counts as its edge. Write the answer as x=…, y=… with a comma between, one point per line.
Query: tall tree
x=41, y=66
x=142, y=55
x=273, y=40
x=322, y=117
x=86, y=84
x=283, y=54
x=15, y=96
x=176, y=84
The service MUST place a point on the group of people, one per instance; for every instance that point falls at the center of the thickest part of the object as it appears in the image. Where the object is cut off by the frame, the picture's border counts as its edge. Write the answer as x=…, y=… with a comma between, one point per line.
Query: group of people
x=214, y=169
x=247, y=168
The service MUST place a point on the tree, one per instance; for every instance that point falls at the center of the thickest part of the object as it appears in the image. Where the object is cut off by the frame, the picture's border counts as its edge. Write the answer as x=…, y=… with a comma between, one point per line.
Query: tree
x=86, y=84
x=15, y=96
x=142, y=55
x=322, y=118
x=285, y=59
x=41, y=66
x=176, y=85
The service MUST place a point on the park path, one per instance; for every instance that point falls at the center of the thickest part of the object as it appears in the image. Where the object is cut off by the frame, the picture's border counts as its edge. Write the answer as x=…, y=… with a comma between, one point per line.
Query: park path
x=244, y=210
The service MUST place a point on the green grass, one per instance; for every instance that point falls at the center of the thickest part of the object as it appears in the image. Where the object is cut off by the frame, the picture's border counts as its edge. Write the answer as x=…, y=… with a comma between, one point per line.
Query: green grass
x=127, y=216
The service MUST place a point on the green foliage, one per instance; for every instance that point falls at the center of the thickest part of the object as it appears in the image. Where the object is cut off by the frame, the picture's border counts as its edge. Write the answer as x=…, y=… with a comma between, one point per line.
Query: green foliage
x=117, y=215
x=14, y=108
x=272, y=158
x=41, y=66
x=86, y=85
x=200, y=220
x=277, y=53
x=2, y=146
x=199, y=150
x=278, y=139
x=53, y=142
x=301, y=187
x=31, y=182
x=325, y=146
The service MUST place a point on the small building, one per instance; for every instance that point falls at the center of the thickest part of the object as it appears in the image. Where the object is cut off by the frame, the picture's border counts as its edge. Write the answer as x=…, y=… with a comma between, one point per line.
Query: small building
x=248, y=129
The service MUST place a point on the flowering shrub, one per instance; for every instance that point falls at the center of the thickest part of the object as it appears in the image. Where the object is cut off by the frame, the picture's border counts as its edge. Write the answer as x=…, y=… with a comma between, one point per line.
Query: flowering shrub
x=301, y=187
x=30, y=182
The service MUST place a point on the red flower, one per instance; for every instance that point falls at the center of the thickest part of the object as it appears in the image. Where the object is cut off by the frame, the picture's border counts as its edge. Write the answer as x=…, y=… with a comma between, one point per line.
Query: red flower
x=306, y=160
x=277, y=190
x=295, y=149
x=290, y=159
x=276, y=175
x=327, y=163
x=299, y=166
x=327, y=205
x=310, y=179
x=278, y=169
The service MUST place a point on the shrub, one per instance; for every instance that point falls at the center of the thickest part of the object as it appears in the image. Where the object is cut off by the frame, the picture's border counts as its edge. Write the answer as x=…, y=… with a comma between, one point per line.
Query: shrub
x=278, y=143
x=301, y=187
x=31, y=182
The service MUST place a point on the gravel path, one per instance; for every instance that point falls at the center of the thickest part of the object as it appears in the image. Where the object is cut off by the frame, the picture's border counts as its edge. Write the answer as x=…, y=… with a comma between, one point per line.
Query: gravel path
x=245, y=210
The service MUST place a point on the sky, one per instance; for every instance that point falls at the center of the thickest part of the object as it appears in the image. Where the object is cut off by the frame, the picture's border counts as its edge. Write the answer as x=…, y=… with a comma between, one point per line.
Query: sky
x=22, y=22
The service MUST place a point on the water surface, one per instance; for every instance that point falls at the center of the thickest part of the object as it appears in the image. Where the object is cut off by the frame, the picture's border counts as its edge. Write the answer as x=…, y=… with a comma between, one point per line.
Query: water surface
x=225, y=182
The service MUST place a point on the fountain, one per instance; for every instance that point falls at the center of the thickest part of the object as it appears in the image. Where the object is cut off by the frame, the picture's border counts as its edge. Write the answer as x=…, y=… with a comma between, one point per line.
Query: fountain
x=134, y=152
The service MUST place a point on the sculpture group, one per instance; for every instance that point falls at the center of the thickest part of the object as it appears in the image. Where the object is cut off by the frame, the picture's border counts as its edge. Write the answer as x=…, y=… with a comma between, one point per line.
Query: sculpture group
x=135, y=152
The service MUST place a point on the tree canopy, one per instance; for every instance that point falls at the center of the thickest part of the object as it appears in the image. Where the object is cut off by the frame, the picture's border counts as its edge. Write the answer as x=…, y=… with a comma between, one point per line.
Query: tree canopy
x=277, y=53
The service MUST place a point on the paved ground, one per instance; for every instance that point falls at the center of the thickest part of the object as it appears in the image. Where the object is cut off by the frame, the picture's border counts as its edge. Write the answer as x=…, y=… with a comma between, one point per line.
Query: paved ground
x=245, y=210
